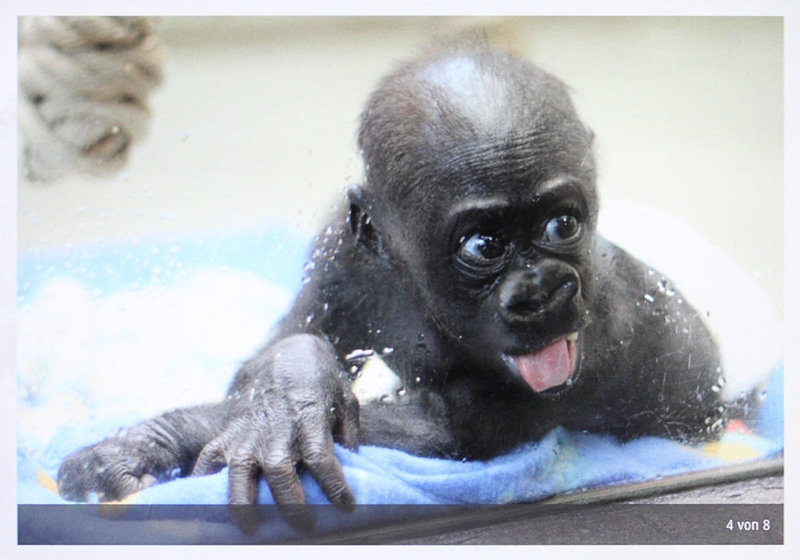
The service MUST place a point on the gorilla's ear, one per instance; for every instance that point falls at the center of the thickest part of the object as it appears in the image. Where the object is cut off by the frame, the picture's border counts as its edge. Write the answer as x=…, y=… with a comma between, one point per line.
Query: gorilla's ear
x=360, y=223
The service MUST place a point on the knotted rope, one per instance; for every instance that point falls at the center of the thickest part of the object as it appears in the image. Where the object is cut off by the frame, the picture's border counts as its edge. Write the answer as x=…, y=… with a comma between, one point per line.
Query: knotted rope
x=83, y=84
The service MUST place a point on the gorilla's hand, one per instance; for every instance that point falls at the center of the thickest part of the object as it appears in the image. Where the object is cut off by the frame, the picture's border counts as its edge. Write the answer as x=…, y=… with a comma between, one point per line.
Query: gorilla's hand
x=287, y=404
x=105, y=471
x=133, y=459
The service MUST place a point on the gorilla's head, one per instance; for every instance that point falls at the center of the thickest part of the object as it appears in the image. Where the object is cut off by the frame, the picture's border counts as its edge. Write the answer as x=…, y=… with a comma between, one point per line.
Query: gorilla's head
x=480, y=180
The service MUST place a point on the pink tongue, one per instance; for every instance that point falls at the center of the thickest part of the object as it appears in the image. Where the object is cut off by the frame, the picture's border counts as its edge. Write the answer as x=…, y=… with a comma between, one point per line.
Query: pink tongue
x=549, y=367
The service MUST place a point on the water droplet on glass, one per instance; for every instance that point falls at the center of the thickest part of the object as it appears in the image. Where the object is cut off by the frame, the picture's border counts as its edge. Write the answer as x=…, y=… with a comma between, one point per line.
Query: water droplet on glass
x=359, y=353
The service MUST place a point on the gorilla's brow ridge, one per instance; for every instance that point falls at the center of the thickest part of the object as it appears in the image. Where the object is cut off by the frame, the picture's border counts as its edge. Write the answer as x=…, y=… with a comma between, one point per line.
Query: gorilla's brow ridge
x=515, y=154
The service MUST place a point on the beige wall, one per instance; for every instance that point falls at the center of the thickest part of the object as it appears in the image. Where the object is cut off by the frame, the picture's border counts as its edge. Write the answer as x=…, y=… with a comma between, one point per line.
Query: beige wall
x=258, y=116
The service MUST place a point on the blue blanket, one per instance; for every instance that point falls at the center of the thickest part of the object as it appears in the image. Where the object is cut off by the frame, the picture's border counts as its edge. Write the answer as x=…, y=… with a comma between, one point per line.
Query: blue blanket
x=71, y=397
x=562, y=461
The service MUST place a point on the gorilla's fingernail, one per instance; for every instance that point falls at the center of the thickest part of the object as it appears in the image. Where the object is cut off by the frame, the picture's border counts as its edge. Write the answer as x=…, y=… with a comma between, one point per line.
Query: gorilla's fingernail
x=346, y=502
x=148, y=480
x=246, y=517
x=298, y=516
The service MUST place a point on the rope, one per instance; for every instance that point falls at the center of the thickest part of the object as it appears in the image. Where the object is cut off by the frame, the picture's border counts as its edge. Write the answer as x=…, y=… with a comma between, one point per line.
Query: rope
x=83, y=83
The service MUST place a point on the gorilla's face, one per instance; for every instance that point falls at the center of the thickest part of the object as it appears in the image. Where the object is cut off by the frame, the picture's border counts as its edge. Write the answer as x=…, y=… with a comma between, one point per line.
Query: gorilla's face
x=507, y=265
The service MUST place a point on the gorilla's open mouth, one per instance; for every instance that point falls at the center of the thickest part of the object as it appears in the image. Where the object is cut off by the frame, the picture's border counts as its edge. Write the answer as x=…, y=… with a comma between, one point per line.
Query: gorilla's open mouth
x=554, y=366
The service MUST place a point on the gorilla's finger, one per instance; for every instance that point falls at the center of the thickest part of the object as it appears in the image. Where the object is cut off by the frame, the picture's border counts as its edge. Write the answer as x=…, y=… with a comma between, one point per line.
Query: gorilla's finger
x=211, y=459
x=317, y=453
x=243, y=477
x=280, y=472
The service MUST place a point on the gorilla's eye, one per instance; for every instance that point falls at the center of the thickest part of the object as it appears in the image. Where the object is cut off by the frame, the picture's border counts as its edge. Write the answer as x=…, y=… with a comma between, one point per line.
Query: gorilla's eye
x=562, y=229
x=481, y=249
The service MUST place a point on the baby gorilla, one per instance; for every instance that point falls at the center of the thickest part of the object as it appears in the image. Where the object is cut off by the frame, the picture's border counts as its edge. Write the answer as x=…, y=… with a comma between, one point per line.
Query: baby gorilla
x=469, y=264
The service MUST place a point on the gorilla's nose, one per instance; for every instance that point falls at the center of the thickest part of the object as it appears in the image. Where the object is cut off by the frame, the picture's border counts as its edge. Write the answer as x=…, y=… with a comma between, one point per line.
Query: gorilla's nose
x=533, y=294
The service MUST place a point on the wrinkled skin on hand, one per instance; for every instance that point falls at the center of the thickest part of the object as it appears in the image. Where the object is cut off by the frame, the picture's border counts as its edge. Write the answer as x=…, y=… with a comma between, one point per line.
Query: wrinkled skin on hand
x=286, y=406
